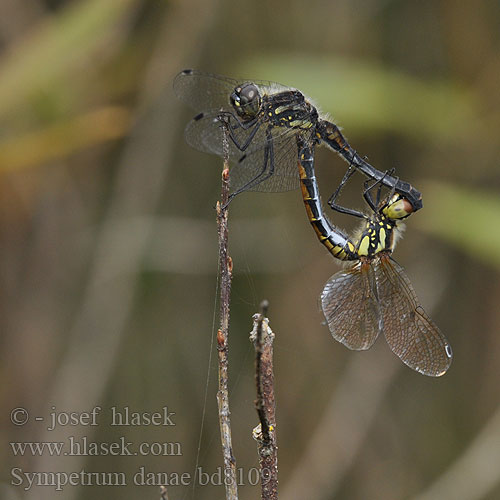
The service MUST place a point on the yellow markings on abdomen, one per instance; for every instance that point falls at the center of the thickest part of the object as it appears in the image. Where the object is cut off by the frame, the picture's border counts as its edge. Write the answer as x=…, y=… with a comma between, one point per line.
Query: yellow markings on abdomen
x=302, y=171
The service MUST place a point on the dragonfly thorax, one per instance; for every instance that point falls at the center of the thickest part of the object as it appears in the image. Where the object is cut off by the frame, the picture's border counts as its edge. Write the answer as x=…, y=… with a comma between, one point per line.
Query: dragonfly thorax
x=291, y=110
x=246, y=101
x=379, y=234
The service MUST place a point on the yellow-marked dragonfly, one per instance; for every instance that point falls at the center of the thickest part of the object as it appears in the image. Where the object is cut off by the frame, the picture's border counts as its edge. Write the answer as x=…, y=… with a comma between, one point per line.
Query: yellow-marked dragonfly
x=374, y=294
x=263, y=120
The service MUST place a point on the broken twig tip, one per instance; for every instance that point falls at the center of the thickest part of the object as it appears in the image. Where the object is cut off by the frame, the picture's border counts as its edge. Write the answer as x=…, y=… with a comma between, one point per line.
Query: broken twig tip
x=163, y=493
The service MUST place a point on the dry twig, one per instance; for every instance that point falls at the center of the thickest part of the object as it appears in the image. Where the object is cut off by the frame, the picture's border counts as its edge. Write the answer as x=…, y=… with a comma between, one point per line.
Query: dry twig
x=265, y=432
x=225, y=269
x=163, y=493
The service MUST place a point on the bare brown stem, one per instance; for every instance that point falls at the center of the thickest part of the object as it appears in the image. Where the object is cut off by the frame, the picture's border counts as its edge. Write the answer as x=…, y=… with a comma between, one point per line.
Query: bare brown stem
x=163, y=493
x=265, y=432
x=225, y=269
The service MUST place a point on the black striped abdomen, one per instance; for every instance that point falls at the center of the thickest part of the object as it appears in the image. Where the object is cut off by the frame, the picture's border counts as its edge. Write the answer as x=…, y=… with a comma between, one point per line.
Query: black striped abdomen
x=339, y=245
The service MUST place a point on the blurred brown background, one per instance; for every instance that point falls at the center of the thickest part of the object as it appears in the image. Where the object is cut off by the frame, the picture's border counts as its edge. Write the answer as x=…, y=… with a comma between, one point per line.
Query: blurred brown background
x=108, y=242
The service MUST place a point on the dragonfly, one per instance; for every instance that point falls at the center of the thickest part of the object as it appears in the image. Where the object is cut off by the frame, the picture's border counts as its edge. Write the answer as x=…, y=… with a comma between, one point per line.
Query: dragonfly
x=263, y=120
x=374, y=294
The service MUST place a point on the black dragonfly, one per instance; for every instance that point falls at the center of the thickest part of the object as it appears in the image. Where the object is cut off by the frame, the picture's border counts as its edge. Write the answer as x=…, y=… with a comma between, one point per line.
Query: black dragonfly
x=263, y=120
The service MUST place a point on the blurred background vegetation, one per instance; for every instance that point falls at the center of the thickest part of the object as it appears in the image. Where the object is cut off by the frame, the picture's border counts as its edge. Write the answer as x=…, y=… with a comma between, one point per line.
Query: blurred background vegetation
x=108, y=241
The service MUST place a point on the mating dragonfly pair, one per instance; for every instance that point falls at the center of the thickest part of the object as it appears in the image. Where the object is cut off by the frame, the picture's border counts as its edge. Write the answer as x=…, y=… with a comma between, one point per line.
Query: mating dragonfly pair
x=273, y=131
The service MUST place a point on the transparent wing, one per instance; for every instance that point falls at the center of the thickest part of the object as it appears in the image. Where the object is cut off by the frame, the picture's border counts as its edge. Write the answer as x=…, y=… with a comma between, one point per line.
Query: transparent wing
x=209, y=92
x=205, y=133
x=204, y=91
x=256, y=150
x=410, y=333
x=286, y=173
x=350, y=306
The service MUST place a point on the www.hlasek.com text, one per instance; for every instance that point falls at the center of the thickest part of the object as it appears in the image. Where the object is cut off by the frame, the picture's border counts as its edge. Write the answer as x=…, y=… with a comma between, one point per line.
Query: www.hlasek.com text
x=83, y=447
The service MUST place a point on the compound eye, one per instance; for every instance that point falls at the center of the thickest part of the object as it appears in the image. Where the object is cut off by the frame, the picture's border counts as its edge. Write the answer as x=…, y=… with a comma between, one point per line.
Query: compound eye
x=398, y=208
x=249, y=94
x=246, y=101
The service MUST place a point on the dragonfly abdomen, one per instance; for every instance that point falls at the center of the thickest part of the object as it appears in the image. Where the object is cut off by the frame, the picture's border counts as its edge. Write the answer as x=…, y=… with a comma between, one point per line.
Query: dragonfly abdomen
x=339, y=245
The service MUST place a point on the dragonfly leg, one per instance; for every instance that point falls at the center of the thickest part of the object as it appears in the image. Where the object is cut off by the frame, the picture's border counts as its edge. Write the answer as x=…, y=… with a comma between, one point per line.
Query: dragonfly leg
x=333, y=198
x=331, y=135
x=225, y=119
x=264, y=173
x=393, y=183
x=367, y=195
x=387, y=173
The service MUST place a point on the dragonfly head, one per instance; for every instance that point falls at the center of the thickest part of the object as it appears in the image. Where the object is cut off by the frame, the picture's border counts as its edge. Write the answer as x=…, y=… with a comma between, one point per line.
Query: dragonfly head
x=246, y=101
x=397, y=208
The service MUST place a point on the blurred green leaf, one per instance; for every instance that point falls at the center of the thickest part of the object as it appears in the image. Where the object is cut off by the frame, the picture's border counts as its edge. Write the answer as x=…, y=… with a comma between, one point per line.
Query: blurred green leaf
x=364, y=95
x=463, y=217
x=58, y=45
